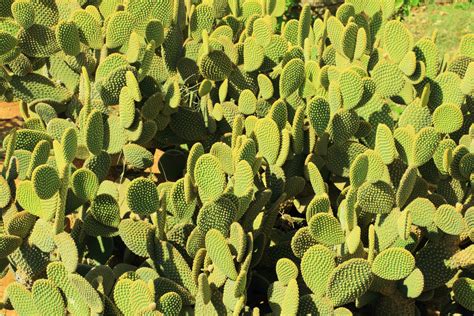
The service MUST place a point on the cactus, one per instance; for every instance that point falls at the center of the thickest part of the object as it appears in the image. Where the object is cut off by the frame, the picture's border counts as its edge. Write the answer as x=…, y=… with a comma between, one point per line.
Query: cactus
x=47, y=297
x=357, y=272
x=323, y=259
x=219, y=253
x=339, y=148
x=393, y=264
x=412, y=285
x=142, y=196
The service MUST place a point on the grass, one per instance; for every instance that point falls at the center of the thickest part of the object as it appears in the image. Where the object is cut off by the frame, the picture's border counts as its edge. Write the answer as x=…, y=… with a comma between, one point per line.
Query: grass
x=451, y=21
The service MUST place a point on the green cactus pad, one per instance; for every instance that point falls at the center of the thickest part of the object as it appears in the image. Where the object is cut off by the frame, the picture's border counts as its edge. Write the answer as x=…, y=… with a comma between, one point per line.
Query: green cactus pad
x=316, y=179
x=467, y=43
x=286, y=270
x=218, y=214
x=20, y=224
x=47, y=298
x=89, y=28
x=398, y=41
x=34, y=86
x=262, y=31
x=67, y=36
x=349, y=281
x=163, y=285
x=276, y=294
x=424, y=147
x=463, y=289
x=319, y=204
x=215, y=66
x=291, y=299
x=39, y=156
x=432, y=261
x=182, y=207
x=447, y=118
x=467, y=85
x=247, y=102
x=171, y=304
x=302, y=241
x=67, y=250
x=268, y=139
x=105, y=210
x=137, y=156
x=466, y=165
x=352, y=88
x=422, y=211
x=452, y=160
x=155, y=31
x=340, y=157
x=353, y=240
x=28, y=199
x=209, y=177
x=406, y=186
x=5, y=195
x=99, y=164
x=119, y=27
x=21, y=299
x=127, y=107
x=86, y=292
x=297, y=132
x=344, y=124
x=412, y=286
x=24, y=13
x=219, y=252
x=393, y=264
x=69, y=146
x=243, y=178
x=317, y=258
x=84, y=184
x=45, y=181
x=404, y=138
x=142, y=196
x=314, y=305
x=122, y=295
x=37, y=41
x=388, y=79
x=135, y=235
x=238, y=241
x=265, y=86
x=142, y=298
x=8, y=244
x=448, y=219
x=176, y=269
x=253, y=55
x=292, y=77
x=319, y=114
x=94, y=131
x=42, y=236
x=376, y=198
x=358, y=170
x=385, y=144
x=326, y=229
x=201, y=19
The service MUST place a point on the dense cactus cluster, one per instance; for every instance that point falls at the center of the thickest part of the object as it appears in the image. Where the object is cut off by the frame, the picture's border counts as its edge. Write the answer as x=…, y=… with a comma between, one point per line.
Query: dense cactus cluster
x=315, y=166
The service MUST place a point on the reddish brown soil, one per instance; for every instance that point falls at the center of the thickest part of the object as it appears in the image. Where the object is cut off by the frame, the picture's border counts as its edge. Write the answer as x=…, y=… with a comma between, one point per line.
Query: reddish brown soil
x=9, y=118
x=9, y=278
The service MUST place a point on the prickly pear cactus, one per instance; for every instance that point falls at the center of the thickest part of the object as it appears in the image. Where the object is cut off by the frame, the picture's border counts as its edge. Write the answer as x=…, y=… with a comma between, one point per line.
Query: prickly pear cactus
x=304, y=166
